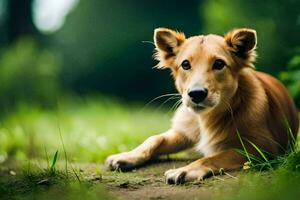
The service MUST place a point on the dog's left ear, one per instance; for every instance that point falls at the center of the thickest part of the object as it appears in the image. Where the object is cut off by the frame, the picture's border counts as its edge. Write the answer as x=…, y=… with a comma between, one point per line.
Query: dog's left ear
x=241, y=41
x=167, y=43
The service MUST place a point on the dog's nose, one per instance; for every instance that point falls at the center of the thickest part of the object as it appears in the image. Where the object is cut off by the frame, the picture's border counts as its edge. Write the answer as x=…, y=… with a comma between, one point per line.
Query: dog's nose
x=198, y=95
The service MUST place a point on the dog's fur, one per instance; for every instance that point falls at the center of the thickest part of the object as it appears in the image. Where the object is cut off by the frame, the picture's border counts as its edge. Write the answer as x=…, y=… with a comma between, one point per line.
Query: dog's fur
x=240, y=100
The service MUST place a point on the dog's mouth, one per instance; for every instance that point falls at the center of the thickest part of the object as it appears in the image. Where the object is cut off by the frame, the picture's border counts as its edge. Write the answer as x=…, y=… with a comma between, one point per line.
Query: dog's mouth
x=198, y=108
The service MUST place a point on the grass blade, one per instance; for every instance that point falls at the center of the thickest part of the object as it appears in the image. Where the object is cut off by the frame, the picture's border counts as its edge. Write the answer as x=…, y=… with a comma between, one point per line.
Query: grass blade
x=76, y=175
x=52, y=168
x=65, y=152
x=47, y=157
x=251, y=156
x=292, y=142
x=244, y=148
x=260, y=153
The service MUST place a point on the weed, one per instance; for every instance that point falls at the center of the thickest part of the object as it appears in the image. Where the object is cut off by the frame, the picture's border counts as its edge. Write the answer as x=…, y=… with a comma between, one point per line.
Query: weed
x=53, y=165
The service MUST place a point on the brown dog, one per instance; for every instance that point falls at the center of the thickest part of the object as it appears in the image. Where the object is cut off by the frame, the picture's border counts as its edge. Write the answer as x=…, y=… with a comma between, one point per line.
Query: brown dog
x=222, y=94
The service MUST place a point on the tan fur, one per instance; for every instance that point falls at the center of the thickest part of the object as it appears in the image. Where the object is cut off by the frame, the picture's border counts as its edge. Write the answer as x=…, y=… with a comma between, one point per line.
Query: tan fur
x=239, y=99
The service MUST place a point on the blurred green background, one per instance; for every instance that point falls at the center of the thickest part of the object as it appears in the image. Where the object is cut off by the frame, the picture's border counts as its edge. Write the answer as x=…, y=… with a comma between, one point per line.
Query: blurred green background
x=81, y=66
x=90, y=47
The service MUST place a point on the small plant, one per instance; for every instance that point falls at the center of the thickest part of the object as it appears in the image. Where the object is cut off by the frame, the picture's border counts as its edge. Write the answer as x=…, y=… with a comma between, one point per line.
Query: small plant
x=253, y=161
x=266, y=160
x=261, y=154
x=292, y=142
x=53, y=165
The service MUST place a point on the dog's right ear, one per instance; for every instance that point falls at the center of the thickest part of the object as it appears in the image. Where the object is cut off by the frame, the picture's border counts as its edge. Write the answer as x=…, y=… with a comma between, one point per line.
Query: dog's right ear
x=167, y=43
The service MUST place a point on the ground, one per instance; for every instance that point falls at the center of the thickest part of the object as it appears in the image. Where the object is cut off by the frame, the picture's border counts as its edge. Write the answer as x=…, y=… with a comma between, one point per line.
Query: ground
x=90, y=181
x=146, y=182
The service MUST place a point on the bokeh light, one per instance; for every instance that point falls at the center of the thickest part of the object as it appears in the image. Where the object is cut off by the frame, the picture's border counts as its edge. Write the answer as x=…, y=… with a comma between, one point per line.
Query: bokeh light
x=49, y=16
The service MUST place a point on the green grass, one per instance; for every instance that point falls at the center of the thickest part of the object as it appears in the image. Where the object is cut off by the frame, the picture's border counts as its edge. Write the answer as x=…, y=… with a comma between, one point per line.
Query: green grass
x=265, y=160
x=87, y=130
x=44, y=184
x=45, y=143
x=281, y=183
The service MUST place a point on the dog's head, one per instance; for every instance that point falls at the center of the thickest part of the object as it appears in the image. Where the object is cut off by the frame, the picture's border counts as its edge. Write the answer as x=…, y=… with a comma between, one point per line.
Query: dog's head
x=205, y=67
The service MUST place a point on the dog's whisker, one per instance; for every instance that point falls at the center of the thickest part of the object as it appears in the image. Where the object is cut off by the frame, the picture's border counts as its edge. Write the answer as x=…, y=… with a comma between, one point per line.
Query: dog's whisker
x=161, y=96
x=229, y=109
x=176, y=105
x=148, y=42
x=170, y=98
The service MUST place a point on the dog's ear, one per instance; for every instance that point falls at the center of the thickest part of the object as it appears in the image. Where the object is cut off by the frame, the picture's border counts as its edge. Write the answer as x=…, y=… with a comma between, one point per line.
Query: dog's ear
x=242, y=42
x=167, y=43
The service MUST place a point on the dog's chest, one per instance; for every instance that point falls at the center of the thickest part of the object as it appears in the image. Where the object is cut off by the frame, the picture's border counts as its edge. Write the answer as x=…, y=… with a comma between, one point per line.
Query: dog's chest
x=205, y=144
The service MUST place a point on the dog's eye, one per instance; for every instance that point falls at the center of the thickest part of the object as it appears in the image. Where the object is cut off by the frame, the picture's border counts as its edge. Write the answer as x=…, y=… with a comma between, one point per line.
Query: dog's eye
x=219, y=64
x=186, y=65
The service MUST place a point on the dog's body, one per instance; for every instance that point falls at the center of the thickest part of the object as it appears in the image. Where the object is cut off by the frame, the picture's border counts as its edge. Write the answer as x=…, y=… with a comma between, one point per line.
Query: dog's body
x=223, y=98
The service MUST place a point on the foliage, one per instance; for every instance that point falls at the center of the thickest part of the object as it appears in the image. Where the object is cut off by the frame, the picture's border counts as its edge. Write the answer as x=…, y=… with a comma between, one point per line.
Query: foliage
x=291, y=77
x=28, y=73
x=278, y=30
x=112, y=52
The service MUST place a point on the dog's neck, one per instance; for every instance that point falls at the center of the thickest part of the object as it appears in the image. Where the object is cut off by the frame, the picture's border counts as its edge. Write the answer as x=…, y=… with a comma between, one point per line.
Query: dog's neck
x=250, y=96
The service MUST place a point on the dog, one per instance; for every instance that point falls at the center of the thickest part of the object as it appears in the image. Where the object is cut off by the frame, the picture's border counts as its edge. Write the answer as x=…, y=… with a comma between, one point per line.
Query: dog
x=226, y=105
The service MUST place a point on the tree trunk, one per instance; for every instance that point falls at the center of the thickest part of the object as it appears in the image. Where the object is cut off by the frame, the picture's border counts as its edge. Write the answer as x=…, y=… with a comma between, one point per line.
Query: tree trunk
x=20, y=22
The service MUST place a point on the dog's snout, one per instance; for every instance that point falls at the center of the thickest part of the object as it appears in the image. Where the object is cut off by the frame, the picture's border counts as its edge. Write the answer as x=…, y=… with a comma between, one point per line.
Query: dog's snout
x=197, y=96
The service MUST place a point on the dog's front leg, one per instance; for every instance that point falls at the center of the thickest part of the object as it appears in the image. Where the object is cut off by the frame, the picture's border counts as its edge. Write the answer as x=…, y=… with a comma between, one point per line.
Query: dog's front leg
x=199, y=169
x=169, y=142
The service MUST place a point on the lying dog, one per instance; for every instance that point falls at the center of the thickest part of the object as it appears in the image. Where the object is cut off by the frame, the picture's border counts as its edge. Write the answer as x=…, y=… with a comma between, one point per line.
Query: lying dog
x=224, y=101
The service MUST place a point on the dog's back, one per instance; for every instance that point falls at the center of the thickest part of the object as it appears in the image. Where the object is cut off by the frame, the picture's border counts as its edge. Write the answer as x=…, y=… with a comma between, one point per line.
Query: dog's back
x=283, y=120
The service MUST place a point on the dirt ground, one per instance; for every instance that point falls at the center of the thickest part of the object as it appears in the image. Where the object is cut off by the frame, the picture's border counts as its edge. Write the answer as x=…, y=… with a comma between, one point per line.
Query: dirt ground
x=147, y=182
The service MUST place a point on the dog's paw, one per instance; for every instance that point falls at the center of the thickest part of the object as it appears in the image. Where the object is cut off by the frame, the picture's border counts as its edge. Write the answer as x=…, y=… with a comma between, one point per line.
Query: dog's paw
x=175, y=176
x=122, y=161
x=183, y=175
